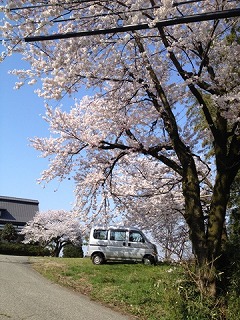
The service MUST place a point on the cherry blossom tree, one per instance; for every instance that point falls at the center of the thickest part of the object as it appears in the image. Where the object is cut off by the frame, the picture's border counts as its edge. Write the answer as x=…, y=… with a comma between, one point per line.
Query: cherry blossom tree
x=154, y=202
x=144, y=61
x=53, y=229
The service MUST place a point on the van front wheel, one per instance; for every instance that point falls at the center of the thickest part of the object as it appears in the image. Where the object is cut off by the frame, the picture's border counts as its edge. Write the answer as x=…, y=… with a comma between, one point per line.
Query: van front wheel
x=97, y=258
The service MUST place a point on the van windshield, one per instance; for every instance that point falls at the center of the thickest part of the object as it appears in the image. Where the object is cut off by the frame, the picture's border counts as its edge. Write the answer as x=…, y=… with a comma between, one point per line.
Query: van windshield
x=135, y=236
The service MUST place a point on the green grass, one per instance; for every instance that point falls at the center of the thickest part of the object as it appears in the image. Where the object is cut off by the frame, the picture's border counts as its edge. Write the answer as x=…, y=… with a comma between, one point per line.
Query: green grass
x=147, y=292
x=159, y=292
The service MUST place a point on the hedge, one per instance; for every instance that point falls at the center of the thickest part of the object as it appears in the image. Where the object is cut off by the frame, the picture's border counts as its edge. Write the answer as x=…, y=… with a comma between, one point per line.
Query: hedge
x=20, y=249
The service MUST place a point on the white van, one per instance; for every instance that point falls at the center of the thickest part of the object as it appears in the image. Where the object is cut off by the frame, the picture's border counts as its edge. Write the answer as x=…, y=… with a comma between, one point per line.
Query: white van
x=120, y=244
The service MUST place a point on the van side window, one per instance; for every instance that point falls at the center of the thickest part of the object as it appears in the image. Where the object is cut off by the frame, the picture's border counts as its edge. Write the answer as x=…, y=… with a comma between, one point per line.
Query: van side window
x=135, y=236
x=100, y=234
x=117, y=235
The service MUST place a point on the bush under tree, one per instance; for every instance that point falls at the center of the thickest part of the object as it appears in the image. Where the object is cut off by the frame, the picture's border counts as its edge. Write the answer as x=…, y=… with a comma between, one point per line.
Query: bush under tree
x=71, y=251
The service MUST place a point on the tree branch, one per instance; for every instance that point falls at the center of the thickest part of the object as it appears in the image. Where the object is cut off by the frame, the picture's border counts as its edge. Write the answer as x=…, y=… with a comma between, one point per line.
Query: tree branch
x=185, y=76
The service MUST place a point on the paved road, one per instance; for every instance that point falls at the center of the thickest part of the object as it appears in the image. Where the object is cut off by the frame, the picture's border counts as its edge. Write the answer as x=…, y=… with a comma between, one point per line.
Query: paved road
x=26, y=295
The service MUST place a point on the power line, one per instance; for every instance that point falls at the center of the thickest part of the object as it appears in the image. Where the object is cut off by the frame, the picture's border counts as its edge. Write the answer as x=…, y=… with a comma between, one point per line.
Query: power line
x=174, y=4
x=163, y=23
x=109, y=14
x=56, y=4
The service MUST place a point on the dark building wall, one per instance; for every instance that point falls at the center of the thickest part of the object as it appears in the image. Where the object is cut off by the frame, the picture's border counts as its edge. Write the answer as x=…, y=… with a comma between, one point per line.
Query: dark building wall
x=17, y=211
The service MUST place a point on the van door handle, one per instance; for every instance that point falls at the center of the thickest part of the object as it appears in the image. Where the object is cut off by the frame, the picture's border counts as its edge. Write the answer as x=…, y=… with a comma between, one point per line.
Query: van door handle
x=124, y=243
x=129, y=244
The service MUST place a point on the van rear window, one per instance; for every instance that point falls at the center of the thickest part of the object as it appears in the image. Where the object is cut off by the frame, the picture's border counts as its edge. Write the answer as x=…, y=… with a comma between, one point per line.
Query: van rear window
x=100, y=234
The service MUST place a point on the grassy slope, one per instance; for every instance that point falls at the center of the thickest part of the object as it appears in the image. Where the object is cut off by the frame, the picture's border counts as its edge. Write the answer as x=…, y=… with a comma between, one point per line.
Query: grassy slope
x=147, y=292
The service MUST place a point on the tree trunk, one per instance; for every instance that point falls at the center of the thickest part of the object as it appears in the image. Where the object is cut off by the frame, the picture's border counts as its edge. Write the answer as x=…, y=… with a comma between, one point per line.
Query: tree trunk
x=217, y=215
x=57, y=249
x=193, y=212
x=206, y=236
x=205, y=274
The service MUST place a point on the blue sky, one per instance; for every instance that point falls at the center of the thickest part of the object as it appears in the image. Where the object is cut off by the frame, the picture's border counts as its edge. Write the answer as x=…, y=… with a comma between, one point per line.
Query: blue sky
x=20, y=164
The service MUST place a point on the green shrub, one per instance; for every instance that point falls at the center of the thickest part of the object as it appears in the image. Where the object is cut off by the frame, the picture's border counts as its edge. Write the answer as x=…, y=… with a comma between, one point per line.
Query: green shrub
x=20, y=249
x=196, y=307
x=9, y=233
x=71, y=251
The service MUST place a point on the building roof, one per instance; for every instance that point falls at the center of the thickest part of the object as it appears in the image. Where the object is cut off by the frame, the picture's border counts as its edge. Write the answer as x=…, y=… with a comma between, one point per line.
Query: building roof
x=17, y=209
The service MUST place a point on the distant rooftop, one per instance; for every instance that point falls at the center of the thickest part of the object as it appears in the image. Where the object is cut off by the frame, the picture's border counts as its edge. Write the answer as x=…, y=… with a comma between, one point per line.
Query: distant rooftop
x=17, y=211
x=3, y=198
